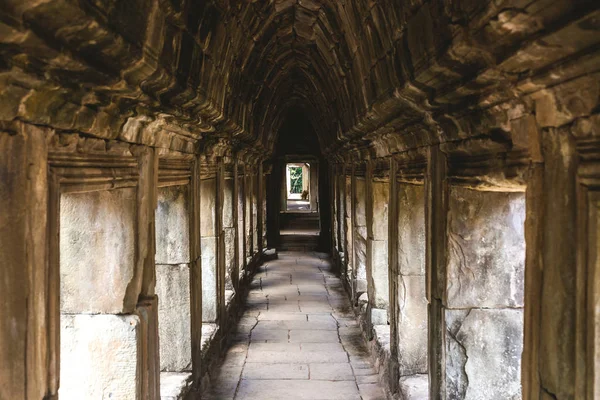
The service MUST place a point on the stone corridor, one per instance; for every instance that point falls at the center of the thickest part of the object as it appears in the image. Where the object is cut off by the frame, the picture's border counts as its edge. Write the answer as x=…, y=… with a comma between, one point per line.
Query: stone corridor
x=155, y=155
x=298, y=338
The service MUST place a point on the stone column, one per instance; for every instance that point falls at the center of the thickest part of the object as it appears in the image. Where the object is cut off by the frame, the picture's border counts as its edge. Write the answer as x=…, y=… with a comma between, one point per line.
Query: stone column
x=147, y=307
x=25, y=337
x=314, y=186
x=196, y=270
x=392, y=253
x=436, y=198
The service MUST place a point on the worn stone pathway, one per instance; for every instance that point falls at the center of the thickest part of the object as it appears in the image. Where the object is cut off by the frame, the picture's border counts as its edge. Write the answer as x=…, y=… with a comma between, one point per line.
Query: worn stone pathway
x=297, y=339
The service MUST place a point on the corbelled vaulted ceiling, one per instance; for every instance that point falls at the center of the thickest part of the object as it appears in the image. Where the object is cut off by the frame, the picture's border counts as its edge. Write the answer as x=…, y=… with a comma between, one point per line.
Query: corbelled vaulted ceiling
x=371, y=76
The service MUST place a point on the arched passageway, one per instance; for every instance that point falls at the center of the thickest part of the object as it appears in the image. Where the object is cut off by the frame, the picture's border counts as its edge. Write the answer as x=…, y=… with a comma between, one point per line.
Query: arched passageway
x=193, y=191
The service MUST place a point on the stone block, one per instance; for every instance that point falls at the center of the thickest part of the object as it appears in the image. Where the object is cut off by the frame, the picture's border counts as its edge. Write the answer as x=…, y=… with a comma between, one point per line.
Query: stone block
x=360, y=199
x=228, y=203
x=229, y=240
x=483, y=354
x=173, y=290
x=360, y=252
x=172, y=226
x=412, y=325
x=331, y=372
x=415, y=387
x=381, y=195
x=267, y=371
x=486, y=249
x=379, y=316
x=209, y=279
x=411, y=229
x=301, y=389
x=379, y=268
x=208, y=205
x=100, y=357
x=97, y=251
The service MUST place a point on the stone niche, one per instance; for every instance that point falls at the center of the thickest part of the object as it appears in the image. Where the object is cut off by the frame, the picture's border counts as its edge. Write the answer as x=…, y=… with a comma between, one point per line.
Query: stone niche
x=412, y=300
x=360, y=236
x=241, y=224
x=229, y=232
x=485, y=284
x=379, y=248
x=348, y=245
x=173, y=278
x=100, y=350
x=208, y=205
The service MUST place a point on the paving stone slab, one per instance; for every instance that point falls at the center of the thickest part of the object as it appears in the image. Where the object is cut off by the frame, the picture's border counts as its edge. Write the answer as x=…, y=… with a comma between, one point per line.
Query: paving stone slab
x=268, y=371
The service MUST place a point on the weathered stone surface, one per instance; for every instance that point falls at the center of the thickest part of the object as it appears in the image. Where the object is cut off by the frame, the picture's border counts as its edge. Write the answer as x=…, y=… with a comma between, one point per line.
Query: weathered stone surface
x=173, y=290
x=483, y=353
x=412, y=325
x=208, y=197
x=296, y=354
x=381, y=194
x=309, y=390
x=209, y=279
x=380, y=267
x=486, y=248
x=415, y=387
x=411, y=229
x=97, y=250
x=360, y=252
x=172, y=226
x=100, y=357
x=267, y=371
x=360, y=199
x=174, y=385
x=379, y=316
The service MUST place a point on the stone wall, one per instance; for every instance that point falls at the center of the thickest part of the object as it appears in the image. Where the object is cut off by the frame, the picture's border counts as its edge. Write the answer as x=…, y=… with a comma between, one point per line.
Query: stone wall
x=173, y=278
x=99, y=349
x=484, y=307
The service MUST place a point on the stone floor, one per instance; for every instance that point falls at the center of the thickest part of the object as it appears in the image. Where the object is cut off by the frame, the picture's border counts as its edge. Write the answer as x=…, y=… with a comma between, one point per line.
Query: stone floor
x=298, y=338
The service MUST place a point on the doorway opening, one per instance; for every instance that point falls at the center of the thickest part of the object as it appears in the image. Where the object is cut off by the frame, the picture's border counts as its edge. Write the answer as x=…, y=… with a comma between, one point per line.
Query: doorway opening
x=298, y=187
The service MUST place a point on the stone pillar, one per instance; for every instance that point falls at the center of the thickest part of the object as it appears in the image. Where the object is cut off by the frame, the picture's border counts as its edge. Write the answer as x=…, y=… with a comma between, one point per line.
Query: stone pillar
x=147, y=307
x=196, y=284
x=314, y=186
x=436, y=198
x=25, y=337
x=392, y=252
